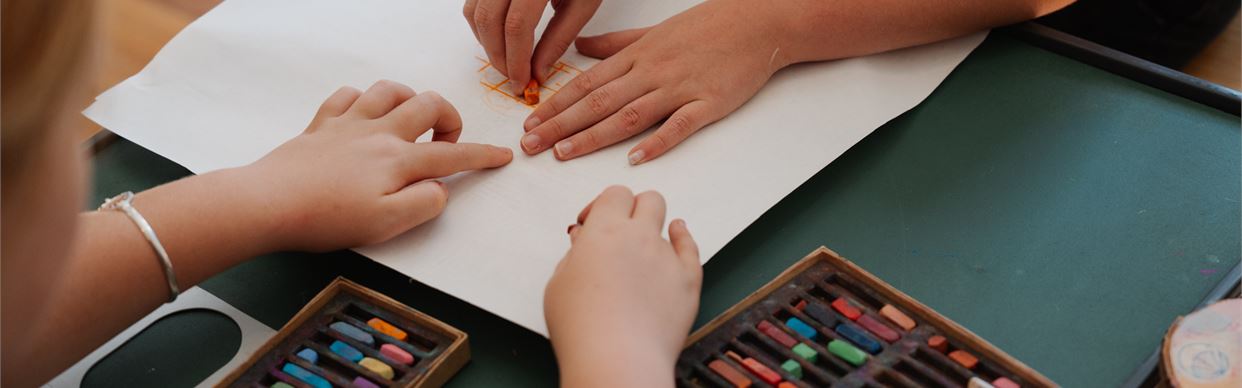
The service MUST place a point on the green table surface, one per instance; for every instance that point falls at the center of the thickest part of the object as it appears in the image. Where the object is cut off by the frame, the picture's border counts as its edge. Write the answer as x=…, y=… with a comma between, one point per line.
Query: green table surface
x=1063, y=213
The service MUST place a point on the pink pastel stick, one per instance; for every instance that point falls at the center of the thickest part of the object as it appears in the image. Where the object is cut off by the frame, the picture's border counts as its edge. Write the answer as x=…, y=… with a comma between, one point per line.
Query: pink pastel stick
x=396, y=354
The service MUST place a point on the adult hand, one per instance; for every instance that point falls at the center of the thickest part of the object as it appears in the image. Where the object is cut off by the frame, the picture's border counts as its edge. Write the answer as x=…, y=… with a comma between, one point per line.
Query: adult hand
x=690, y=70
x=506, y=29
x=356, y=176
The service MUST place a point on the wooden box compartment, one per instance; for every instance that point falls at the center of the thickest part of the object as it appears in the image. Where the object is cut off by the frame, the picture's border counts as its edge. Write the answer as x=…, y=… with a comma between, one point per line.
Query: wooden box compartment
x=439, y=350
x=821, y=278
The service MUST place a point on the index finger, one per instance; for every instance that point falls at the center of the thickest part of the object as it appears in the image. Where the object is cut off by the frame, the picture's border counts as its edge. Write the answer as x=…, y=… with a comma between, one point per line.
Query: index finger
x=568, y=20
x=468, y=12
x=489, y=25
x=577, y=89
x=519, y=40
x=440, y=159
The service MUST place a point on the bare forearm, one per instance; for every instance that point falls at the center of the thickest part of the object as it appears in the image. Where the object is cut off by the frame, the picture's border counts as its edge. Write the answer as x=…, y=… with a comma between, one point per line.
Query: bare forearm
x=206, y=223
x=306, y=195
x=817, y=30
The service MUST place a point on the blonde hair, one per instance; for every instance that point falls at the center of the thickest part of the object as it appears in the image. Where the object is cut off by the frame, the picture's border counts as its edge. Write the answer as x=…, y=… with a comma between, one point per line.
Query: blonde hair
x=42, y=45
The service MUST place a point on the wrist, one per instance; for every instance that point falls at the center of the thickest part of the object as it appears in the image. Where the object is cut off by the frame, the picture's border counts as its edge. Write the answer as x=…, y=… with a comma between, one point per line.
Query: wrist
x=241, y=198
x=206, y=223
x=620, y=359
x=789, y=24
x=257, y=207
x=776, y=39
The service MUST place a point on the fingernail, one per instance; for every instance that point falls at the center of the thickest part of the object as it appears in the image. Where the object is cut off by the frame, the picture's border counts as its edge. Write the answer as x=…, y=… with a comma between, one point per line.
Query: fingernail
x=531, y=123
x=564, y=148
x=636, y=157
x=515, y=88
x=530, y=142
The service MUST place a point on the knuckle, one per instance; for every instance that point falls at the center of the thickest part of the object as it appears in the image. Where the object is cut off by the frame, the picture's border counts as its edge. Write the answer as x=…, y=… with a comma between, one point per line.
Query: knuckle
x=483, y=16
x=515, y=25
x=680, y=126
x=329, y=122
x=630, y=119
x=558, y=105
x=388, y=149
x=584, y=83
x=556, y=128
x=387, y=84
x=652, y=194
x=590, y=140
x=597, y=101
x=433, y=98
x=326, y=106
x=348, y=91
x=608, y=42
x=558, y=48
x=619, y=188
x=394, y=87
x=661, y=141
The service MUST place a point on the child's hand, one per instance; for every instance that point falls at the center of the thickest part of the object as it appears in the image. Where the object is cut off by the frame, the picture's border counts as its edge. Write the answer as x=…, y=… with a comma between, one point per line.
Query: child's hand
x=506, y=29
x=621, y=302
x=693, y=69
x=356, y=176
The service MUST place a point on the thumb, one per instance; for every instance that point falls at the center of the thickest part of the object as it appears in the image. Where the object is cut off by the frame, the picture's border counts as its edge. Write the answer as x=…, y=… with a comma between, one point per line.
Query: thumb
x=604, y=46
x=418, y=203
x=683, y=243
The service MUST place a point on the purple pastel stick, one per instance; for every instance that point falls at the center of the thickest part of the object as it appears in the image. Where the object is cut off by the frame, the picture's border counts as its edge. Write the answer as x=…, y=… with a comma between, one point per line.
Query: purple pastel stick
x=364, y=383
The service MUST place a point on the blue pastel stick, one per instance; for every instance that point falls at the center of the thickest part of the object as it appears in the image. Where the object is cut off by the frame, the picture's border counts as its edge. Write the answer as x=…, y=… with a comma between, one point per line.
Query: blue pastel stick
x=305, y=375
x=858, y=337
x=309, y=355
x=800, y=327
x=345, y=351
x=354, y=332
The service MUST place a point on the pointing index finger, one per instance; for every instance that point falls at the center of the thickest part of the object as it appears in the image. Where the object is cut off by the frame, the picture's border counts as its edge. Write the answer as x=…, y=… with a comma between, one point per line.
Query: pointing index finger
x=440, y=159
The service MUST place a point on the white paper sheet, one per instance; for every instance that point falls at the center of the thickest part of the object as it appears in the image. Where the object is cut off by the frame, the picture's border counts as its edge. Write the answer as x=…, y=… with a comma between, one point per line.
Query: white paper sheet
x=251, y=73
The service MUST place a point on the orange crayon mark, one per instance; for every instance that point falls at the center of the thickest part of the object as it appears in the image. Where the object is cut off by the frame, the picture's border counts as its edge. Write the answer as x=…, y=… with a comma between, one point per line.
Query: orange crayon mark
x=532, y=94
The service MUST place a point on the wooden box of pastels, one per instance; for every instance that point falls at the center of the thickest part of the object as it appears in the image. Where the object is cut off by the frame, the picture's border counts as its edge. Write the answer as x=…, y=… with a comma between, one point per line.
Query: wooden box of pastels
x=827, y=322
x=351, y=336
